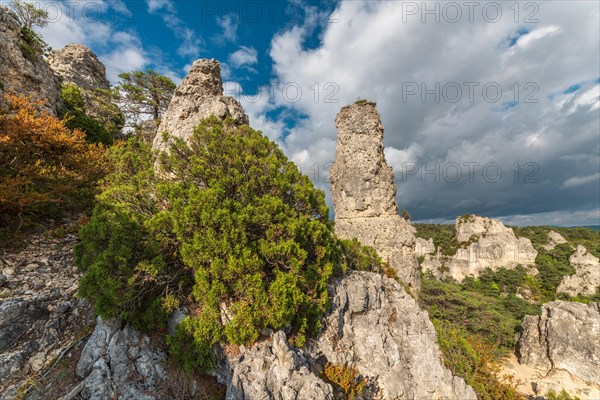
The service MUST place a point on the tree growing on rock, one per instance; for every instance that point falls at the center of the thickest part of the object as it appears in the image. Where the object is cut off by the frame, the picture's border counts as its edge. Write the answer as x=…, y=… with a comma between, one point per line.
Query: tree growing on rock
x=30, y=16
x=144, y=94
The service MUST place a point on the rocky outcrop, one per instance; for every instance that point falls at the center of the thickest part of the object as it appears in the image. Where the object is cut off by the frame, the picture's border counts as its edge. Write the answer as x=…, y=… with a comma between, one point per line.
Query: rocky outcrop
x=119, y=362
x=564, y=337
x=586, y=279
x=40, y=314
x=535, y=383
x=423, y=247
x=482, y=243
x=364, y=194
x=79, y=65
x=273, y=369
x=554, y=239
x=24, y=71
x=199, y=96
x=375, y=325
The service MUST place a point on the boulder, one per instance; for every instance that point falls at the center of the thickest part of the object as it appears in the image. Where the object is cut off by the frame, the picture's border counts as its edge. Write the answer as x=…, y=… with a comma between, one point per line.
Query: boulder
x=78, y=65
x=587, y=274
x=565, y=336
x=120, y=362
x=199, y=96
x=364, y=194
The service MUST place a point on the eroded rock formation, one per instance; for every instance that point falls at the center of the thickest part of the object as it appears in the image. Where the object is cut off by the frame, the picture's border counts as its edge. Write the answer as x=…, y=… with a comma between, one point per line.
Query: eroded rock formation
x=78, y=65
x=364, y=194
x=482, y=243
x=587, y=274
x=273, y=369
x=22, y=71
x=565, y=336
x=554, y=239
x=375, y=325
x=199, y=96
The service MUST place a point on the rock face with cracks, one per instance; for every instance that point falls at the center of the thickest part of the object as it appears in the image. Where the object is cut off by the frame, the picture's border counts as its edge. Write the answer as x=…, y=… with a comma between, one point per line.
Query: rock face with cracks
x=273, y=370
x=199, y=96
x=24, y=73
x=565, y=336
x=119, y=362
x=375, y=325
x=79, y=65
x=364, y=194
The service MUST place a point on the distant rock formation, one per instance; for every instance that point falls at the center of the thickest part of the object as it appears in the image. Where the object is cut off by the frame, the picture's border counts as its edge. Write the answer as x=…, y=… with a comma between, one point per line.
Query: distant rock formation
x=423, y=246
x=554, y=239
x=375, y=325
x=23, y=73
x=565, y=336
x=364, y=194
x=587, y=274
x=482, y=243
x=272, y=369
x=199, y=96
x=79, y=65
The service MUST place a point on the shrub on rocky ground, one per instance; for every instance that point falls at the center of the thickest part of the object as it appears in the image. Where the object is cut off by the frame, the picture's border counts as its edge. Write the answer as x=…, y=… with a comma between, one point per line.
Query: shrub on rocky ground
x=224, y=226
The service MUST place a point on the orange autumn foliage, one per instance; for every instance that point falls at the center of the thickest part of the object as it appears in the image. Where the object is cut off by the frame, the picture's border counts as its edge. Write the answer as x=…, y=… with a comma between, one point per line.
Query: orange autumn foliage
x=45, y=168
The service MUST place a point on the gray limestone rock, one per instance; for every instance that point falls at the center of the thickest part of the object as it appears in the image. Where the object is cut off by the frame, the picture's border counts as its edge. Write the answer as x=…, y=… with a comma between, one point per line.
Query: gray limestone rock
x=565, y=336
x=364, y=194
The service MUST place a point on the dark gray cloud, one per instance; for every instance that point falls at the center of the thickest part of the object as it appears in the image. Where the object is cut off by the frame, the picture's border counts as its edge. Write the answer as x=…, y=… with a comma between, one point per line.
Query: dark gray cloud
x=385, y=52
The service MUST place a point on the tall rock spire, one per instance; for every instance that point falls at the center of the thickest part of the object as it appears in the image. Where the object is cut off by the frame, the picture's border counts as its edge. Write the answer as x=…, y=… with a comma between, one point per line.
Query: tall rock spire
x=364, y=194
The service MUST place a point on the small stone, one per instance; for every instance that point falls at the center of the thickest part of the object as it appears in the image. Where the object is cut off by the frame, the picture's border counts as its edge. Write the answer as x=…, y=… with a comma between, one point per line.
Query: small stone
x=37, y=285
x=8, y=272
x=37, y=362
x=3, y=280
x=63, y=308
x=30, y=267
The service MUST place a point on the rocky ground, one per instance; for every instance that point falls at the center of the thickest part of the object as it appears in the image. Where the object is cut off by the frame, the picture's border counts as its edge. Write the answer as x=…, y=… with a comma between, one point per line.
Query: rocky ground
x=42, y=322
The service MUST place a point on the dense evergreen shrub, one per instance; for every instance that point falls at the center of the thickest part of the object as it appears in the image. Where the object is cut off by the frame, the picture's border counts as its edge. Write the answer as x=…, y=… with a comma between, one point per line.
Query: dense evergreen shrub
x=227, y=227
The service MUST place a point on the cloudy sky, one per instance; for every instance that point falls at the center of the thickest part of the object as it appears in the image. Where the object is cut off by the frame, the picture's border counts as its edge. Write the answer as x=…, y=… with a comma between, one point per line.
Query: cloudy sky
x=489, y=107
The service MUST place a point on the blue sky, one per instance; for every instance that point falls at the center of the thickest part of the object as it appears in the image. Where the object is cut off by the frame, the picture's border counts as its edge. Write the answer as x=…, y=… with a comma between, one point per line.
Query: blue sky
x=491, y=108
